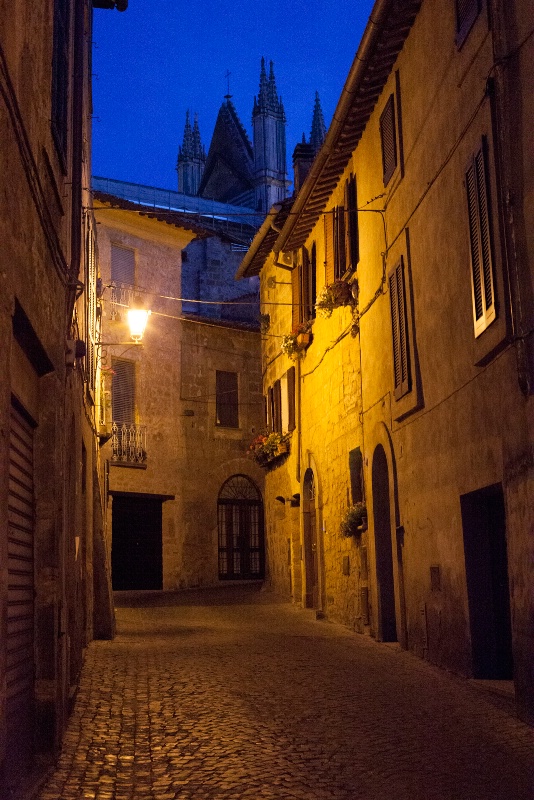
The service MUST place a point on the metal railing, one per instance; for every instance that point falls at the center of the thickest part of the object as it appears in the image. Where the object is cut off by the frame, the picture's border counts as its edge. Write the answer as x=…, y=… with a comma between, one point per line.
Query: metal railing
x=128, y=443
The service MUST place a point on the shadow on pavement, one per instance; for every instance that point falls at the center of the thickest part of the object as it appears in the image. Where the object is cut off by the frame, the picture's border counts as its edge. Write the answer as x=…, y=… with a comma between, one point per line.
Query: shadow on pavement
x=243, y=594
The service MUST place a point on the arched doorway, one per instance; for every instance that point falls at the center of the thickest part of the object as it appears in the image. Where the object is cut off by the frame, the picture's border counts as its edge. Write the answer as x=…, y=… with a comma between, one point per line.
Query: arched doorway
x=240, y=521
x=387, y=623
x=311, y=555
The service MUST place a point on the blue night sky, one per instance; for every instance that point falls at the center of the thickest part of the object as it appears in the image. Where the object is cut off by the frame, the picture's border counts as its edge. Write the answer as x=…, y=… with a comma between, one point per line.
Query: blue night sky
x=162, y=57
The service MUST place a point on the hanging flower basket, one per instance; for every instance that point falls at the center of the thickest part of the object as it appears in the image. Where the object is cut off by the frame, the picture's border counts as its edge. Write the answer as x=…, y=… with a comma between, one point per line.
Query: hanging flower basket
x=267, y=447
x=296, y=342
x=354, y=521
x=333, y=296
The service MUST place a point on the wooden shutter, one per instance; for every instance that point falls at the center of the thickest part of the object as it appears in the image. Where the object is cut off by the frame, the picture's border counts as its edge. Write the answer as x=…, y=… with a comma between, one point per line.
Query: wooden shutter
x=296, y=295
x=480, y=243
x=388, y=139
x=20, y=591
x=291, y=423
x=277, y=407
x=399, y=327
x=340, y=257
x=122, y=265
x=329, y=246
x=90, y=360
x=123, y=391
x=351, y=224
x=356, y=475
x=312, y=277
x=227, y=401
x=60, y=75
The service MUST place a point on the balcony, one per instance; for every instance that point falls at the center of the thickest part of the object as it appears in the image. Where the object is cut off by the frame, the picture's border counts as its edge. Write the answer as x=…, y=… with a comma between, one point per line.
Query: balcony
x=128, y=445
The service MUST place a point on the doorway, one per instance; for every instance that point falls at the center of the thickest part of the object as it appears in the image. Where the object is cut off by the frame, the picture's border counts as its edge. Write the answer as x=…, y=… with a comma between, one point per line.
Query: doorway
x=311, y=561
x=136, y=552
x=240, y=522
x=387, y=622
x=486, y=567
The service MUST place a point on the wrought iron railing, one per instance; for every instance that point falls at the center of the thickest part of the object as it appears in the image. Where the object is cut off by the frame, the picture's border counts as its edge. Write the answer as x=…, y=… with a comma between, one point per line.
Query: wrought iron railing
x=128, y=443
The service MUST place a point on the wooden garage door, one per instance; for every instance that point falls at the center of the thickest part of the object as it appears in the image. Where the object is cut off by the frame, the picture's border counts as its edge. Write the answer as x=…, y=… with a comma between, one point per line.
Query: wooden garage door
x=20, y=603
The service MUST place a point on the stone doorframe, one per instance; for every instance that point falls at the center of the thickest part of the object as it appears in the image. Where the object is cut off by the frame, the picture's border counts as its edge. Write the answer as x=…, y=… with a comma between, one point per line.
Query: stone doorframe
x=382, y=436
x=309, y=464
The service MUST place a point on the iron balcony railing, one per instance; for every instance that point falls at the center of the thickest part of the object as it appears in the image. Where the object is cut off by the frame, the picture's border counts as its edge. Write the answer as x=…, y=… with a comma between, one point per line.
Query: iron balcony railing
x=128, y=443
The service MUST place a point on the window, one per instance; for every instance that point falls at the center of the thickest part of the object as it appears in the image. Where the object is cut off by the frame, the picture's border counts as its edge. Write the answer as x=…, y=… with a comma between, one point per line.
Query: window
x=356, y=475
x=122, y=265
x=123, y=391
x=291, y=423
x=466, y=13
x=227, y=405
x=341, y=235
x=480, y=242
x=60, y=77
x=303, y=282
x=388, y=138
x=91, y=323
x=401, y=352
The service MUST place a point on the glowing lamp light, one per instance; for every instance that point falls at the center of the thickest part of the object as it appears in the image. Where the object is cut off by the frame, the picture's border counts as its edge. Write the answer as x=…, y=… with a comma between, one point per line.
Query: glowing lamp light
x=137, y=320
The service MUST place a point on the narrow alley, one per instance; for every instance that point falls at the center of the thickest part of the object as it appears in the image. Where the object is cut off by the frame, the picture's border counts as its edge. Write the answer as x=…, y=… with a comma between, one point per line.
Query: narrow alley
x=233, y=694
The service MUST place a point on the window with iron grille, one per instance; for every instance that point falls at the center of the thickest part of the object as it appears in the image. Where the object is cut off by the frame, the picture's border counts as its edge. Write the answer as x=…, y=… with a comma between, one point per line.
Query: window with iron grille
x=399, y=327
x=123, y=391
x=122, y=265
x=388, y=138
x=227, y=399
x=466, y=13
x=482, y=284
x=60, y=77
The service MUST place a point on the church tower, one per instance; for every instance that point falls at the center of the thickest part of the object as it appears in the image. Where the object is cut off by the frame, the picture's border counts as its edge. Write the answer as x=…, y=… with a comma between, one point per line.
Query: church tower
x=191, y=159
x=318, y=128
x=269, y=129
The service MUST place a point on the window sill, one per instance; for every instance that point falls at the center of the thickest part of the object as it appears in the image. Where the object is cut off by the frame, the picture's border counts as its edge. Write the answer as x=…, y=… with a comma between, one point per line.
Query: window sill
x=128, y=464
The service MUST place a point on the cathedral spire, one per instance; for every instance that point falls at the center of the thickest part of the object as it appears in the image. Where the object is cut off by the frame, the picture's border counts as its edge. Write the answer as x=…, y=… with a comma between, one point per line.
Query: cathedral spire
x=318, y=129
x=269, y=122
x=191, y=158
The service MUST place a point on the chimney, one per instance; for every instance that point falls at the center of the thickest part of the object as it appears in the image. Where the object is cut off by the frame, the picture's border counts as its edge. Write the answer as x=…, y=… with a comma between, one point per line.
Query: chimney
x=303, y=156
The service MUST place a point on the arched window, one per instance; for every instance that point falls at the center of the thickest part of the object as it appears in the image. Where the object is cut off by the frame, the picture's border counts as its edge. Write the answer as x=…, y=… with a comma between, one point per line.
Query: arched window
x=240, y=518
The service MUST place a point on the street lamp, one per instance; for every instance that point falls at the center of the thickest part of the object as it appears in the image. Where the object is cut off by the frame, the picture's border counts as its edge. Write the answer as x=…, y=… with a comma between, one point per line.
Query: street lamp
x=137, y=319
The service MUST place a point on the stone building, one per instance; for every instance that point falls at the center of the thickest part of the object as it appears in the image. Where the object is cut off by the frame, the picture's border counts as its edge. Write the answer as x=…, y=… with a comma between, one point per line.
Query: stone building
x=54, y=589
x=179, y=411
x=407, y=260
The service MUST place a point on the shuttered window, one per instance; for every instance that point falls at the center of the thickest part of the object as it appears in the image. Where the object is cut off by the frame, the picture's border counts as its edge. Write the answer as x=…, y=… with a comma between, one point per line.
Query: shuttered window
x=401, y=355
x=277, y=406
x=466, y=13
x=356, y=475
x=123, y=391
x=303, y=287
x=296, y=295
x=90, y=293
x=388, y=138
x=122, y=265
x=329, y=246
x=60, y=77
x=480, y=243
x=351, y=224
x=227, y=399
x=340, y=257
x=291, y=422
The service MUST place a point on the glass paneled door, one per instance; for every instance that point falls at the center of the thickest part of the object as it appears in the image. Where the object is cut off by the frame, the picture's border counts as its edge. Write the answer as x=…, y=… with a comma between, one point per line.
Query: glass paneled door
x=240, y=516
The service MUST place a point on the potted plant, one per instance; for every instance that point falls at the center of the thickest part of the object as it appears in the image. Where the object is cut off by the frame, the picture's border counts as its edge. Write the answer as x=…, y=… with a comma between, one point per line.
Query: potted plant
x=354, y=520
x=332, y=296
x=268, y=446
x=298, y=340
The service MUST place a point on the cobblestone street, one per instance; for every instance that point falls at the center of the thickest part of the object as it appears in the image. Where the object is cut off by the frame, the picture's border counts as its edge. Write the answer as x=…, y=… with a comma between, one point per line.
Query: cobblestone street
x=231, y=694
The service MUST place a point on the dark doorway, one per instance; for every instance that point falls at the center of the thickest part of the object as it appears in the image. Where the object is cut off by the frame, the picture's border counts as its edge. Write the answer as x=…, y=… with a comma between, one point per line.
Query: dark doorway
x=311, y=561
x=387, y=623
x=486, y=567
x=240, y=517
x=136, y=553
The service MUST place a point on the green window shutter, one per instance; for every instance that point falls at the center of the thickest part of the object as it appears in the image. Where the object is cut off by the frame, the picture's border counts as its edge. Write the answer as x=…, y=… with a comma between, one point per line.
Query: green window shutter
x=227, y=401
x=480, y=243
x=399, y=327
x=388, y=138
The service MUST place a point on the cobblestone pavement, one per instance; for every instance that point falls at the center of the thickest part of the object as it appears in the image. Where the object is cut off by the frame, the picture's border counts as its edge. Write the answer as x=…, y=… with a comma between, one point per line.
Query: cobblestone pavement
x=231, y=695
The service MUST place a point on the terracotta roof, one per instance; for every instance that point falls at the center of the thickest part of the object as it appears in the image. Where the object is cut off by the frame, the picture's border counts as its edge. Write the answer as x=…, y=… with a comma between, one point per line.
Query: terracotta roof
x=383, y=39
